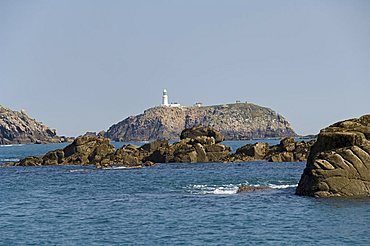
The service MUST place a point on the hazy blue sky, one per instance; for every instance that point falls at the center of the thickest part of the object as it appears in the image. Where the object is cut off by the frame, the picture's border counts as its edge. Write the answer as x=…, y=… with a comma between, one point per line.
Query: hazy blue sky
x=83, y=65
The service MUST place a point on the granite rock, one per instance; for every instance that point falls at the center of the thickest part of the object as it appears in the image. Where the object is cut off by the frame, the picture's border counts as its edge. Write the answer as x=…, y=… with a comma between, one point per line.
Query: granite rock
x=339, y=161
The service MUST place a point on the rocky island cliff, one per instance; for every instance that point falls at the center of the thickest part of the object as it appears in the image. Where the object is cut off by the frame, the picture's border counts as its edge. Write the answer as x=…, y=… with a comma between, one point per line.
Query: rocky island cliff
x=234, y=121
x=19, y=128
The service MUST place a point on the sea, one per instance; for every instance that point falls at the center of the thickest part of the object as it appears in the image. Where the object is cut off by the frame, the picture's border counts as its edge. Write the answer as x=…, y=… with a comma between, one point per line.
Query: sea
x=169, y=204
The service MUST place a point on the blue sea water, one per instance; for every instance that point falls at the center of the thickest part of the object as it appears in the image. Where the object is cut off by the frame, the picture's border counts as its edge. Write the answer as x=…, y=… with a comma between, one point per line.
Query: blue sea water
x=169, y=204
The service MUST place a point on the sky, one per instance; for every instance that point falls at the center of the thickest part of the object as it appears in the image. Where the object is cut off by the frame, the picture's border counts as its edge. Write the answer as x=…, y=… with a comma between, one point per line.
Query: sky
x=81, y=66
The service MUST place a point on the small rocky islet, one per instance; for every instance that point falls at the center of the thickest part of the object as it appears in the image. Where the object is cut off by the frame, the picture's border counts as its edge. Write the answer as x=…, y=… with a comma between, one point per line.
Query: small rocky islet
x=235, y=121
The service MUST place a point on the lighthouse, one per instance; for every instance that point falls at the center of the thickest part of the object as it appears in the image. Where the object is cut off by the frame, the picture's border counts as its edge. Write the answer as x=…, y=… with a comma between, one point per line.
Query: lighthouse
x=165, y=98
x=165, y=102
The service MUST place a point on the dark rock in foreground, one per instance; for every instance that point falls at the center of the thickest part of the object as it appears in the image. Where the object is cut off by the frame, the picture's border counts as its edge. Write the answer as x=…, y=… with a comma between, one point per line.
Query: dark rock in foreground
x=339, y=162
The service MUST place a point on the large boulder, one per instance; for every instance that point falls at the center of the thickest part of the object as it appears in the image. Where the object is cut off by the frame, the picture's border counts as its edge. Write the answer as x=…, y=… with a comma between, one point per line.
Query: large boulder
x=128, y=155
x=155, y=145
x=201, y=131
x=87, y=150
x=258, y=150
x=54, y=157
x=339, y=162
x=198, y=144
x=287, y=144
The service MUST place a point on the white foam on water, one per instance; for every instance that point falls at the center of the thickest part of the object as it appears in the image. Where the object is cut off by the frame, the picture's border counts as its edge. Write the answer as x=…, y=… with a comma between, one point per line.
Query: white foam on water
x=79, y=170
x=11, y=145
x=225, y=191
x=10, y=159
x=203, y=189
x=229, y=189
x=282, y=186
x=118, y=167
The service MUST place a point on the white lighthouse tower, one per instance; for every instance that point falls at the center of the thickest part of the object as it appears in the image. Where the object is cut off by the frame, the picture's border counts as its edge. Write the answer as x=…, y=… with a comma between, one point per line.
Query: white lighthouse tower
x=165, y=98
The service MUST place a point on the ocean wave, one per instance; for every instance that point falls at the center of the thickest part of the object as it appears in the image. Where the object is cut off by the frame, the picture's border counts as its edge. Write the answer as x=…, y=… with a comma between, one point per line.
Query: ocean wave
x=11, y=145
x=9, y=159
x=229, y=189
x=282, y=186
x=79, y=170
x=120, y=167
x=203, y=189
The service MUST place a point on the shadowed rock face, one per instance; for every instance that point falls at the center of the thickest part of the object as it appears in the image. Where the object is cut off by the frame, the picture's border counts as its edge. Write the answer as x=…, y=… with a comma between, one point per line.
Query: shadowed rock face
x=339, y=162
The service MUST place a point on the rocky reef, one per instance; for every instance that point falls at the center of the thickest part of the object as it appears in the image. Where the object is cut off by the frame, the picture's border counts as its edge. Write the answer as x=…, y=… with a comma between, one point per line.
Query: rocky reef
x=339, y=162
x=196, y=145
x=234, y=121
x=18, y=128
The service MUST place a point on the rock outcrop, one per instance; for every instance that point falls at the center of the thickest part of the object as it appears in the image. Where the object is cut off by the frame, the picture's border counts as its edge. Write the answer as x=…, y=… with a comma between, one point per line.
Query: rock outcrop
x=19, y=128
x=197, y=144
x=234, y=121
x=287, y=151
x=339, y=162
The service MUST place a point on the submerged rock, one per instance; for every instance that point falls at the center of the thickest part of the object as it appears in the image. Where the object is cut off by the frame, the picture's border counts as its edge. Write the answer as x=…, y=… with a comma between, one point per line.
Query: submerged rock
x=339, y=162
x=248, y=188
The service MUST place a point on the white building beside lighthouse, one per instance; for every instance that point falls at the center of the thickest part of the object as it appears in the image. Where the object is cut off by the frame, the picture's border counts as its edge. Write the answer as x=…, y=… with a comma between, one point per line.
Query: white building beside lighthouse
x=165, y=101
